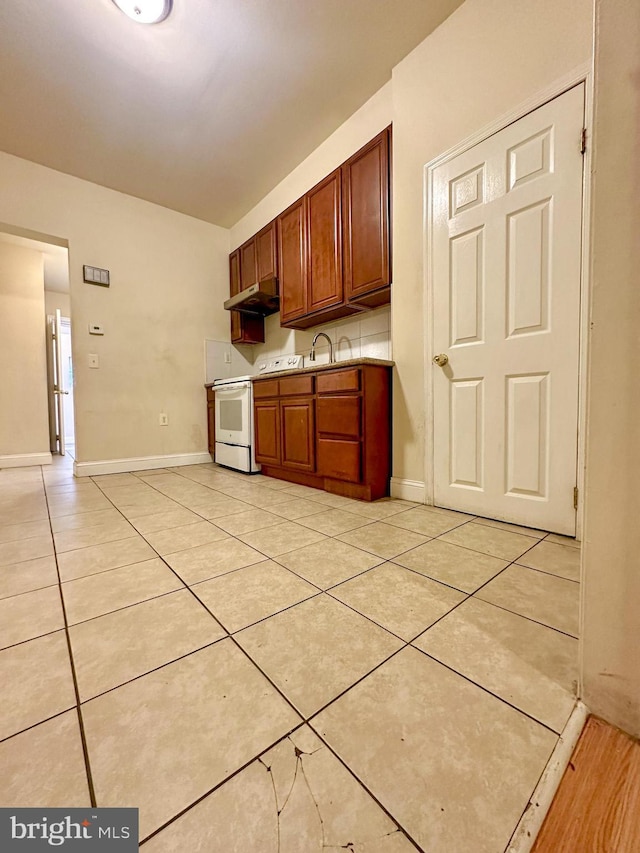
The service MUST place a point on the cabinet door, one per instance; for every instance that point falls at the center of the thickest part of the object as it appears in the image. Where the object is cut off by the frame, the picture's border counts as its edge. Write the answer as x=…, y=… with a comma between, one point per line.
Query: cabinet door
x=366, y=198
x=297, y=428
x=324, y=240
x=292, y=262
x=266, y=253
x=248, y=264
x=267, y=431
x=244, y=329
x=234, y=287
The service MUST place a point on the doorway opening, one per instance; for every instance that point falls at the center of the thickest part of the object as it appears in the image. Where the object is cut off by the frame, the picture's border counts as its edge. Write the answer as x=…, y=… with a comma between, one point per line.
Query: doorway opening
x=60, y=384
x=33, y=289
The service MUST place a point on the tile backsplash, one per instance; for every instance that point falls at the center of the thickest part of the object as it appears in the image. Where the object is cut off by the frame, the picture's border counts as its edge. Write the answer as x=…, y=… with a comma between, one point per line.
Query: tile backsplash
x=222, y=360
x=366, y=335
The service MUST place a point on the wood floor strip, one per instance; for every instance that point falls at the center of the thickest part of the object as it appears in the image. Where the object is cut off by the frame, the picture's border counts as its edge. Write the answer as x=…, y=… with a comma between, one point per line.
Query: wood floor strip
x=597, y=806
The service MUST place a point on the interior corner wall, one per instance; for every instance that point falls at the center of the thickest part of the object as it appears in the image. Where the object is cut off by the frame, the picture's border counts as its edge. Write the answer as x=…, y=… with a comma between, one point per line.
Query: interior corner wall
x=53, y=300
x=356, y=131
x=169, y=278
x=24, y=413
x=611, y=562
x=485, y=60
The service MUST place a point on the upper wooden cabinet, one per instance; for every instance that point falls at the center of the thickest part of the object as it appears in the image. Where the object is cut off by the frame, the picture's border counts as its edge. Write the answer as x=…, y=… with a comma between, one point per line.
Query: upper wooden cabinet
x=323, y=208
x=334, y=242
x=267, y=253
x=292, y=266
x=245, y=329
x=366, y=206
x=330, y=251
x=258, y=257
x=255, y=261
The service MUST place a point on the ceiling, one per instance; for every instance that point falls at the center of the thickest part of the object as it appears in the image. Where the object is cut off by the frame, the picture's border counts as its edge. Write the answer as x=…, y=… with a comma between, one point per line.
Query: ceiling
x=205, y=112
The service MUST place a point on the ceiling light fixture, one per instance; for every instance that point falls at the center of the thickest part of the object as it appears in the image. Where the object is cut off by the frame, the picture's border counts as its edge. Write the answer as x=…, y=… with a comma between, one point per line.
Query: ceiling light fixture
x=145, y=11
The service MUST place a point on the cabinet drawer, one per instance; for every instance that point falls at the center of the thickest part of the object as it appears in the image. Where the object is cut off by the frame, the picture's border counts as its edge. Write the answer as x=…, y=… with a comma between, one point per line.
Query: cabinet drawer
x=339, y=459
x=331, y=381
x=291, y=385
x=339, y=416
x=266, y=388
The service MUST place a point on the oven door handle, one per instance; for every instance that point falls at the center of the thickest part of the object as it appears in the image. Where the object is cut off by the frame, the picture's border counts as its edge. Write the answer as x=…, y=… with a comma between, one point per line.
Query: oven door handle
x=221, y=390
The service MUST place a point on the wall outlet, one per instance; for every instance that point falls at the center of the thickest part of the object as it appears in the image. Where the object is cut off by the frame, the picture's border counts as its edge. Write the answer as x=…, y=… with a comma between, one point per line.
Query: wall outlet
x=163, y=419
x=93, y=360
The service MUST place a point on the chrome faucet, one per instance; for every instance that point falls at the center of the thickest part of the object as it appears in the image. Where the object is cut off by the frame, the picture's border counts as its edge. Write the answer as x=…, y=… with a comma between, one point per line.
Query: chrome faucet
x=312, y=354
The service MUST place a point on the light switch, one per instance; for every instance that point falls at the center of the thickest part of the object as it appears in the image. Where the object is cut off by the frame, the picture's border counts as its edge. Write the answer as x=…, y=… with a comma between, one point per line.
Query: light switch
x=93, y=359
x=95, y=329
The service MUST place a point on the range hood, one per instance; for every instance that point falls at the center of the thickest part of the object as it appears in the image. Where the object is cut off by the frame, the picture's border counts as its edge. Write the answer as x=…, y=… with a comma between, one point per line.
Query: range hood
x=259, y=299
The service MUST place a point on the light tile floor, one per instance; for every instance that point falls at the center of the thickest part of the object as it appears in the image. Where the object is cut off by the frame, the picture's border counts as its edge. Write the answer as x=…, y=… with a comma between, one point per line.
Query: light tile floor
x=267, y=668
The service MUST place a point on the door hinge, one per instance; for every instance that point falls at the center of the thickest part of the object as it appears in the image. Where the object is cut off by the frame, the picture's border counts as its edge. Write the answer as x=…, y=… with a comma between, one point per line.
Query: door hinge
x=575, y=497
x=583, y=140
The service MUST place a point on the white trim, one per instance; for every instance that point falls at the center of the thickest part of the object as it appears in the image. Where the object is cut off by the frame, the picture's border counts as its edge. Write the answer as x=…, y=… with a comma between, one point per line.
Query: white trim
x=583, y=366
x=408, y=490
x=581, y=74
x=526, y=831
x=140, y=463
x=22, y=460
x=585, y=305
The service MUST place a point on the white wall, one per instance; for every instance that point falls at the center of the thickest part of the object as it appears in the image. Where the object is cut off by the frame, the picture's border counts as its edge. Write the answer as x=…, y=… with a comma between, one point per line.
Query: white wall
x=24, y=415
x=169, y=277
x=362, y=126
x=54, y=300
x=365, y=334
x=482, y=62
x=611, y=588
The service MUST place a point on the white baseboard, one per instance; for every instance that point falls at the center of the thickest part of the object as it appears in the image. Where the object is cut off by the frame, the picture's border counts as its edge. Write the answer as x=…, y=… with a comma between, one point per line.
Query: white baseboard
x=408, y=490
x=22, y=460
x=141, y=463
x=528, y=828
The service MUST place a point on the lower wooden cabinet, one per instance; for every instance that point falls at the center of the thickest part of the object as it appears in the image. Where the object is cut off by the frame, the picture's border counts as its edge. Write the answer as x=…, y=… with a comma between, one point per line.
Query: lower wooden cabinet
x=297, y=429
x=328, y=428
x=266, y=419
x=341, y=460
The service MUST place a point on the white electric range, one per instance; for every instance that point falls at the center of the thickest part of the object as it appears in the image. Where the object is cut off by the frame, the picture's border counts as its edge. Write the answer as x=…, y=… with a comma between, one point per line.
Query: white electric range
x=234, y=446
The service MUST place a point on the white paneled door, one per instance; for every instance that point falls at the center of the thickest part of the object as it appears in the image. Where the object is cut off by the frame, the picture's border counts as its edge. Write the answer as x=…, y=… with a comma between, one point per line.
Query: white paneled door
x=506, y=255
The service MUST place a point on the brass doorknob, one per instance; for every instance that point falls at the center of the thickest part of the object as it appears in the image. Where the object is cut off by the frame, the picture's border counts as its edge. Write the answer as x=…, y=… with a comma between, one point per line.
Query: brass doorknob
x=441, y=359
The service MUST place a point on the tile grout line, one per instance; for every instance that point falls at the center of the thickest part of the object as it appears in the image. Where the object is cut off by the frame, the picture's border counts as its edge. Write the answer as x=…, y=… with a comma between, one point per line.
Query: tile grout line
x=83, y=736
x=343, y=603
x=283, y=696
x=274, y=559
x=470, y=680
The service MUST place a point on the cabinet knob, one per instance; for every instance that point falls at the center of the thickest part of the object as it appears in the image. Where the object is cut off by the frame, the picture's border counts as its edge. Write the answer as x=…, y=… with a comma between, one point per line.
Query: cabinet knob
x=441, y=359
